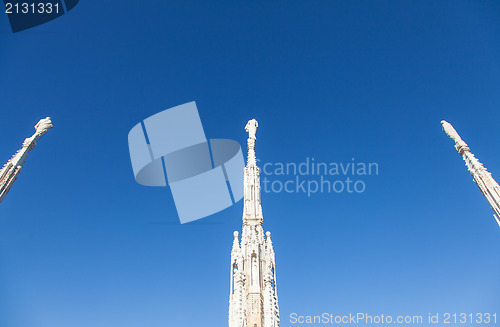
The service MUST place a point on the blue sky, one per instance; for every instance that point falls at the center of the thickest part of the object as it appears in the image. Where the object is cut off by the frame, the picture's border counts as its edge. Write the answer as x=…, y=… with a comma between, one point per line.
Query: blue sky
x=82, y=244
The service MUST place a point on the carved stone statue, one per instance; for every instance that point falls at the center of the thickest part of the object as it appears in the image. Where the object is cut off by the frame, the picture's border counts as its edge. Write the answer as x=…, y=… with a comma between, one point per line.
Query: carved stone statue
x=251, y=128
x=451, y=132
x=460, y=145
x=43, y=125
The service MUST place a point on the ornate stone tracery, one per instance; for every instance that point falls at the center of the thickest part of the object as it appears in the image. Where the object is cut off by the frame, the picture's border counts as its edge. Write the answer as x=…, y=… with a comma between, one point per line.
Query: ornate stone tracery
x=253, y=300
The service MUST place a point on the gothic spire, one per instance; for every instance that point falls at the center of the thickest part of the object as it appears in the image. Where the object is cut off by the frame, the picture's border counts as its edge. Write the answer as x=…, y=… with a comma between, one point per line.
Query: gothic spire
x=253, y=300
x=488, y=186
x=12, y=168
x=252, y=212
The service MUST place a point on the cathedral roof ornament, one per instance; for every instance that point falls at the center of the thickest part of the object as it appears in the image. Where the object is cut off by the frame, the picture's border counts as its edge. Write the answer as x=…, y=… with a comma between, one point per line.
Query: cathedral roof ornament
x=12, y=168
x=483, y=179
x=253, y=300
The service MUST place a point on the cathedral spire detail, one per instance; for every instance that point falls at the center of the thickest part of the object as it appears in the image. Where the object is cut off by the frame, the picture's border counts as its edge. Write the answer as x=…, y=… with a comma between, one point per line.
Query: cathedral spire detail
x=253, y=300
x=12, y=168
x=483, y=179
x=252, y=211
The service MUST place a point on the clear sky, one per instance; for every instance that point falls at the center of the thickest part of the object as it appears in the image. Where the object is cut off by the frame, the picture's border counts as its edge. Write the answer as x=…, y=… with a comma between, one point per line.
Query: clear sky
x=82, y=244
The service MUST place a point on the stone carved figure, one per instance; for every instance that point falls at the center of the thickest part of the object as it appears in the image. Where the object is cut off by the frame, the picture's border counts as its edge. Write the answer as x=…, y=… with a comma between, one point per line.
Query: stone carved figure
x=451, y=132
x=43, y=125
x=251, y=128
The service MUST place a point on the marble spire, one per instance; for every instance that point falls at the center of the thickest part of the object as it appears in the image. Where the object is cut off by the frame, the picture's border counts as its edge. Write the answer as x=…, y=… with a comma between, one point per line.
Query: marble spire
x=252, y=210
x=12, y=168
x=253, y=300
x=483, y=179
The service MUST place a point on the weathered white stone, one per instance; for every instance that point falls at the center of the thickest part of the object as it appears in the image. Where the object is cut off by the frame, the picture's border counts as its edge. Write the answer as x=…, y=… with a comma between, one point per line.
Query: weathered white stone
x=12, y=168
x=253, y=300
x=488, y=186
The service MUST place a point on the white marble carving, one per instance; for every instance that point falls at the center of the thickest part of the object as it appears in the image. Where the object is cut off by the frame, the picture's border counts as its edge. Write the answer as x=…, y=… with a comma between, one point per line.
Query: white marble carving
x=251, y=128
x=488, y=186
x=12, y=168
x=253, y=300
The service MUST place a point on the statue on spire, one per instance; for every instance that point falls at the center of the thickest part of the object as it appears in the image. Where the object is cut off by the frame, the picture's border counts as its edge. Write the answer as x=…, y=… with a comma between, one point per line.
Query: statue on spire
x=43, y=125
x=251, y=128
x=460, y=145
x=13, y=167
x=483, y=179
